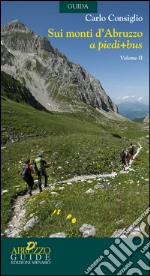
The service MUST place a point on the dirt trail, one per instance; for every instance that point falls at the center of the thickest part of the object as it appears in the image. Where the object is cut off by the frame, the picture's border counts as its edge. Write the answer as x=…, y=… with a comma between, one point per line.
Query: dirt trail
x=17, y=222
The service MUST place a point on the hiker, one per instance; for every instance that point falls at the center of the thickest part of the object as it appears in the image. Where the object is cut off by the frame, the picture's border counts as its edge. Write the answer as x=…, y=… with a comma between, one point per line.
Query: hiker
x=27, y=175
x=131, y=151
x=127, y=157
x=40, y=168
x=123, y=159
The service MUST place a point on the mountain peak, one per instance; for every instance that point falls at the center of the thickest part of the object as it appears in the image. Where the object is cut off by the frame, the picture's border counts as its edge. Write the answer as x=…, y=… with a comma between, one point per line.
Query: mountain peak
x=15, y=21
x=18, y=36
x=15, y=25
x=56, y=82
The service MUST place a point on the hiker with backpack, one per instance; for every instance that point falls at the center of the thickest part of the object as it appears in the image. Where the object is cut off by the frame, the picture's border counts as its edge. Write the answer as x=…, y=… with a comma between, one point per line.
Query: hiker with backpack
x=40, y=167
x=131, y=151
x=123, y=159
x=27, y=175
x=127, y=157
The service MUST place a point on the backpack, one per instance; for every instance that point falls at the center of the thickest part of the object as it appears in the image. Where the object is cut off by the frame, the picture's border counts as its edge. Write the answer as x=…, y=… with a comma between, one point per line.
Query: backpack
x=38, y=165
x=25, y=173
x=131, y=149
x=122, y=155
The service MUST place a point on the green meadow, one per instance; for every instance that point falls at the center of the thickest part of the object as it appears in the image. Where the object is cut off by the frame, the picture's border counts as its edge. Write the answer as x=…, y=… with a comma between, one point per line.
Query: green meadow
x=74, y=144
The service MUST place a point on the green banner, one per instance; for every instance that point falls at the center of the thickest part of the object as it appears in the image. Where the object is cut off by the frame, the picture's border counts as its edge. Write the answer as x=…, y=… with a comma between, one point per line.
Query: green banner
x=78, y=6
x=74, y=256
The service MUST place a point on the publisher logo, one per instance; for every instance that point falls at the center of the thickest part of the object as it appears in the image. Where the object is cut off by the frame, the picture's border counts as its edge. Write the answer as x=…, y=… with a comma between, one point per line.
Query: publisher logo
x=30, y=254
x=77, y=6
x=118, y=258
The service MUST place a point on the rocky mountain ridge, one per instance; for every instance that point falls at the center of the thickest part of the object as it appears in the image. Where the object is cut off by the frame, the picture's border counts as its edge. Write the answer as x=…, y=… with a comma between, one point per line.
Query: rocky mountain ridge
x=54, y=81
x=133, y=110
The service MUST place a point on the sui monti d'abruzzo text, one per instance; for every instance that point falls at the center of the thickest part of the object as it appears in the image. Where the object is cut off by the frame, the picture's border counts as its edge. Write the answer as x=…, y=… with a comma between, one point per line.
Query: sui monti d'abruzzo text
x=117, y=39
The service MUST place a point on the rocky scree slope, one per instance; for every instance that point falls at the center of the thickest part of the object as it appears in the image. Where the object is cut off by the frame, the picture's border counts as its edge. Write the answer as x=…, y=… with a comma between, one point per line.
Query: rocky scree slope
x=14, y=90
x=55, y=82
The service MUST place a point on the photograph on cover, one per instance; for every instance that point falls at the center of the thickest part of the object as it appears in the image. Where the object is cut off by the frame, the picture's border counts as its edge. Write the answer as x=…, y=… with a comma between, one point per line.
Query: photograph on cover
x=75, y=117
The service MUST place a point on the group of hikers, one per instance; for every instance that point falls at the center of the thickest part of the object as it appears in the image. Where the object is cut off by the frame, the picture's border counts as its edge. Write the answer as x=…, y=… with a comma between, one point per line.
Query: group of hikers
x=38, y=167
x=126, y=155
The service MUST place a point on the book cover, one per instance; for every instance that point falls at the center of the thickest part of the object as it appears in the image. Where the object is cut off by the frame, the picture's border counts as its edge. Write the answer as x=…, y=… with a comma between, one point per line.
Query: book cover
x=75, y=137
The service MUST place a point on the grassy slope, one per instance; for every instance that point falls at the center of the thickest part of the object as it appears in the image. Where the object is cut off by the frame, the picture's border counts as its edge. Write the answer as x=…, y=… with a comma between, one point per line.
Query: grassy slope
x=74, y=145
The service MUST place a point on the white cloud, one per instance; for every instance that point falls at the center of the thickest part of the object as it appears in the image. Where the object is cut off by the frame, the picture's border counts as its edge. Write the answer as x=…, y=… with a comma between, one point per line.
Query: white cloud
x=131, y=98
x=140, y=98
x=123, y=98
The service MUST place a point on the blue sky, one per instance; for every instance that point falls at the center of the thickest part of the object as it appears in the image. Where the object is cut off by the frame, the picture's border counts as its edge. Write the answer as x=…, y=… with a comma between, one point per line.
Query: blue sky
x=122, y=80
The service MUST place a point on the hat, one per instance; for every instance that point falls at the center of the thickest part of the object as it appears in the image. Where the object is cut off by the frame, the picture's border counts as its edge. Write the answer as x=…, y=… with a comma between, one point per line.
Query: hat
x=40, y=155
